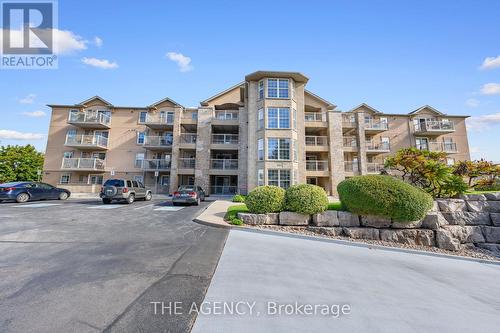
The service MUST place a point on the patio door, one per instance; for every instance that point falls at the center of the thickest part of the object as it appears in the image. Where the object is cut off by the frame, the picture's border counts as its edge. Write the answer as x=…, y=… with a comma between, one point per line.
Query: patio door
x=222, y=185
x=422, y=143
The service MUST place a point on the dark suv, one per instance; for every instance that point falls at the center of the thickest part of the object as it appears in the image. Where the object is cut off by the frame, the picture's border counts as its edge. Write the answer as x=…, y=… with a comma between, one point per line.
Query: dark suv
x=124, y=190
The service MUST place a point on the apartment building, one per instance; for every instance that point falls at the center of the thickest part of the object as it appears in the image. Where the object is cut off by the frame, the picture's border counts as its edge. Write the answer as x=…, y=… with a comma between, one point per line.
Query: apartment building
x=268, y=129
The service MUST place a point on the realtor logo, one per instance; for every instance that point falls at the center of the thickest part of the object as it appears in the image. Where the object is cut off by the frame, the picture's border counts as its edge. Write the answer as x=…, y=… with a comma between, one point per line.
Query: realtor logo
x=28, y=35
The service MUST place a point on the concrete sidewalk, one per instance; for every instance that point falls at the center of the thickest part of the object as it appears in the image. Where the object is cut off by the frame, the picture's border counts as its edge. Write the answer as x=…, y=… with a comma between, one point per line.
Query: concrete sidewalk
x=214, y=214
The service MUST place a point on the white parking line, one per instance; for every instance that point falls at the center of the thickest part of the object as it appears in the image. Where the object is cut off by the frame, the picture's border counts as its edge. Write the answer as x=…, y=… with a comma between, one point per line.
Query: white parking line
x=37, y=205
x=107, y=207
x=169, y=208
x=144, y=206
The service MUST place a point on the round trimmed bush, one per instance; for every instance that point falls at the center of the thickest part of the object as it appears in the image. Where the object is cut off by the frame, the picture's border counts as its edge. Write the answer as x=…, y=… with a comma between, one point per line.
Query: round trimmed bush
x=306, y=199
x=265, y=199
x=384, y=196
x=239, y=198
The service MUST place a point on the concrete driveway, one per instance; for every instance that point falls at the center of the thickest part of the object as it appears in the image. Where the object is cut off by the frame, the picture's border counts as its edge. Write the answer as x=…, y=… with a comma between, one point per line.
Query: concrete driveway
x=380, y=290
x=81, y=266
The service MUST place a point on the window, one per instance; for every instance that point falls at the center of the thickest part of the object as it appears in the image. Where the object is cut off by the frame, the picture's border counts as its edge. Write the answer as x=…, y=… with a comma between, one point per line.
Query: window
x=165, y=180
x=143, y=116
x=71, y=133
x=295, y=177
x=134, y=183
x=261, y=89
x=278, y=118
x=277, y=88
x=450, y=161
x=260, y=118
x=170, y=117
x=260, y=148
x=129, y=183
x=139, y=158
x=194, y=115
x=278, y=149
x=278, y=177
x=294, y=115
x=139, y=179
x=295, y=151
x=68, y=154
x=73, y=115
x=65, y=178
x=114, y=182
x=140, y=138
x=260, y=177
x=95, y=179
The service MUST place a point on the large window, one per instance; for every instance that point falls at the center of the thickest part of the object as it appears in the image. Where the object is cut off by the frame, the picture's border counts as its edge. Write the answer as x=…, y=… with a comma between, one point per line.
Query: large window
x=260, y=119
x=294, y=115
x=295, y=151
x=278, y=149
x=260, y=148
x=278, y=177
x=278, y=88
x=143, y=116
x=260, y=177
x=65, y=178
x=278, y=118
x=261, y=89
x=140, y=138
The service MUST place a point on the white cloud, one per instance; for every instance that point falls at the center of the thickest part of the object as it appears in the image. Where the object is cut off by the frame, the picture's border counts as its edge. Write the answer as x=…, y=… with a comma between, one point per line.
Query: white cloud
x=472, y=103
x=490, y=89
x=100, y=63
x=491, y=63
x=29, y=99
x=15, y=135
x=98, y=41
x=65, y=41
x=183, y=62
x=35, y=114
x=483, y=122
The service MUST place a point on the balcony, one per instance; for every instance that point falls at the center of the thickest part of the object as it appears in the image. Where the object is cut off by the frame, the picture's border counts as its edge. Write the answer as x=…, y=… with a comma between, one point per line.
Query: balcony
x=225, y=141
x=350, y=143
x=316, y=143
x=154, y=164
x=434, y=127
x=351, y=167
x=378, y=148
x=95, y=142
x=446, y=147
x=159, y=121
x=224, y=164
x=157, y=142
x=348, y=121
x=225, y=117
x=372, y=126
x=374, y=167
x=85, y=119
x=315, y=119
x=187, y=140
x=315, y=165
x=83, y=164
x=187, y=163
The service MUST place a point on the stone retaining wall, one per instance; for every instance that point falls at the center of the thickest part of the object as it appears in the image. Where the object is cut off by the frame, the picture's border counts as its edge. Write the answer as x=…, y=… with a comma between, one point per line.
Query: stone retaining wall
x=452, y=224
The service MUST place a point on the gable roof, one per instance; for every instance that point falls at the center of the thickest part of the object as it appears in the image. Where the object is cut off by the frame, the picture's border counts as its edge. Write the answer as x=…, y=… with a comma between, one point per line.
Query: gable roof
x=255, y=76
x=330, y=105
x=93, y=99
x=166, y=99
x=211, y=98
x=365, y=106
x=426, y=107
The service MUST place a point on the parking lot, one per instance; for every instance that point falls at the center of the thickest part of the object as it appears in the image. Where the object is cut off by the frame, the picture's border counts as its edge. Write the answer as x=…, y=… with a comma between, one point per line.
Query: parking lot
x=80, y=265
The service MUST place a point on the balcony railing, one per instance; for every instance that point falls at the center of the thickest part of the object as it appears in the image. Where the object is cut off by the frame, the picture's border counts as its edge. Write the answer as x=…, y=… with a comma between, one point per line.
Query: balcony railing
x=187, y=163
x=153, y=164
x=314, y=116
x=313, y=165
x=83, y=163
x=226, y=115
x=159, y=119
x=86, y=140
x=225, y=139
x=350, y=166
x=188, y=137
x=157, y=141
x=224, y=164
x=374, y=167
x=381, y=146
x=350, y=142
x=348, y=121
x=223, y=190
x=447, y=147
x=313, y=140
x=376, y=125
x=435, y=126
x=85, y=117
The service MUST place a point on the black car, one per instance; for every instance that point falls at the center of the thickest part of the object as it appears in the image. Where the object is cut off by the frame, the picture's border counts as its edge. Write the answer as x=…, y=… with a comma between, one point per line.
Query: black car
x=27, y=191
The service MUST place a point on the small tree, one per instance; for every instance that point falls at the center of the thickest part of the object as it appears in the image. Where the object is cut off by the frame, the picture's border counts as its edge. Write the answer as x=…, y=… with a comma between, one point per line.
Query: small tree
x=20, y=163
x=477, y=170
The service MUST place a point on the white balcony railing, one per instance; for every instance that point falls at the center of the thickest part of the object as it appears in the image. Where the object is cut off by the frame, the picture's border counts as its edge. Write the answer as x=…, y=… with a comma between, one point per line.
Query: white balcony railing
x=86, y=140
x=313, y=165
x=161, y=118
x=225, y=139
x=187, y=163
x=83, y=163
x=226, y=114
x=313, y=140
x=380, y=146
x=188, y=137
x=435, y=126
x=224, y=164
x=447, y=147
x=87, y=117
x=314, y=116
x=153, y=164
x=349, y=142
x=348, y=121
x=223, y=190
x=376, y=125
x=351, y=166
x=374, y=167
x=158, y=141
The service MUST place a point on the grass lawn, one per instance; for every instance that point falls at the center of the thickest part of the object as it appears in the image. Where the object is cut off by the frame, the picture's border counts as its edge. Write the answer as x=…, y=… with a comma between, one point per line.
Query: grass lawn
x=232, y=211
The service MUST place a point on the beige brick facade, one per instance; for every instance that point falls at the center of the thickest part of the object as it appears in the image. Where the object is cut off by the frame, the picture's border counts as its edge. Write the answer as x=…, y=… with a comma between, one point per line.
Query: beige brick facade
x=303, y=139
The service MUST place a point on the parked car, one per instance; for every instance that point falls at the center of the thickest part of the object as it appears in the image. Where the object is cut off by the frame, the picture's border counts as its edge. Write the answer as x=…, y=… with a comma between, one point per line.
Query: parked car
x=188, y=194
x=124, y=190
x=28, y=191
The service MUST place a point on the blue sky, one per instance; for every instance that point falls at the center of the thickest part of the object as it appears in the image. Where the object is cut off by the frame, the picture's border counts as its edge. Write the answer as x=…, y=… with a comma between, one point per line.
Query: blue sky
x=393, y=55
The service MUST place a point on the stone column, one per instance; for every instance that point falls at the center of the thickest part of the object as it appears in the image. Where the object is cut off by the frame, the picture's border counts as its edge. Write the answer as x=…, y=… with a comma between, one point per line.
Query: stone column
x=360, y=121
x=337, y=172
x=243, y=151
x=176, y=133
x=203, y=140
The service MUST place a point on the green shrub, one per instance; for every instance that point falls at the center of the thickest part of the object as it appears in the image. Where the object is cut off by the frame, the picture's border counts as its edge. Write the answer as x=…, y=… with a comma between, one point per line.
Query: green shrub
x=239, y=198
x=384, y=196
x=232, y=211
x=335, y=206
x=265, y=199
x=236, y=221
x=487, y=185
x=306, y=199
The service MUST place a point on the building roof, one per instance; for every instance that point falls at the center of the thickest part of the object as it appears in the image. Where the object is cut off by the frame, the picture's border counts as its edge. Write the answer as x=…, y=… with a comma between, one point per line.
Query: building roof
x=166, y=99
x=330, y=105
x=364, y=105
x=255, y=76
x=428, y=107
x=211, y=98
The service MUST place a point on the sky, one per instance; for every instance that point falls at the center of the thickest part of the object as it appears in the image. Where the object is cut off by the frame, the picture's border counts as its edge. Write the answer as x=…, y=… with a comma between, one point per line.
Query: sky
x=393, y=55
